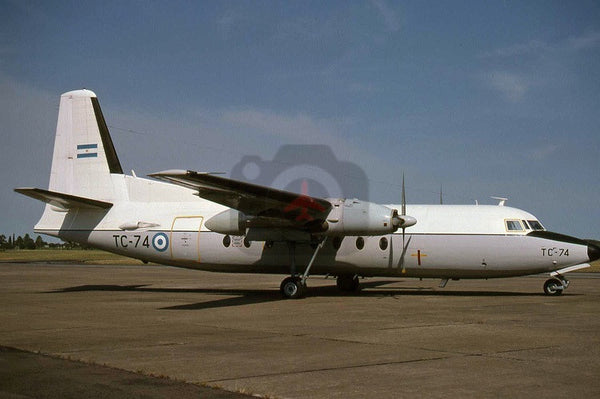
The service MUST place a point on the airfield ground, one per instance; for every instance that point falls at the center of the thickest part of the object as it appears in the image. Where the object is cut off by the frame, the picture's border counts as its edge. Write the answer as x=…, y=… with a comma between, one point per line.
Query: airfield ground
x=397, y=338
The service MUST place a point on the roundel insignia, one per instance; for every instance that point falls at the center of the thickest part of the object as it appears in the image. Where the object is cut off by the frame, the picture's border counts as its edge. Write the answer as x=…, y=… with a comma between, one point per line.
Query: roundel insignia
x=160, y=242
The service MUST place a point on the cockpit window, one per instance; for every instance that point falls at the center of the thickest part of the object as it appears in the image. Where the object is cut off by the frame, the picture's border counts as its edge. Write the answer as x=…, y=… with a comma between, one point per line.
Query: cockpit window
x=535, y=225
x=514, y=225
x=526, y=225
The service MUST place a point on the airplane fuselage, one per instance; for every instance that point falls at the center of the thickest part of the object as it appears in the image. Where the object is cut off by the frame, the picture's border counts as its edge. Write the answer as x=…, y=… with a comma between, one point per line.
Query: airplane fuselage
x=449, y=241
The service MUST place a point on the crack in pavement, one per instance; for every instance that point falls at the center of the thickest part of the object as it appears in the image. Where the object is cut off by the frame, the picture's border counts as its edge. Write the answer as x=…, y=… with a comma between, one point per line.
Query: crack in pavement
x=356, y=366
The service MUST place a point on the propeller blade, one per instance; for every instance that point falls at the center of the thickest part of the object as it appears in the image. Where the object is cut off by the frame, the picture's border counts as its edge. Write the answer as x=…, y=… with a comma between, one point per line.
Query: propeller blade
x=402, y=220
x=391, y=255
x=403, y=197
x=404, y=248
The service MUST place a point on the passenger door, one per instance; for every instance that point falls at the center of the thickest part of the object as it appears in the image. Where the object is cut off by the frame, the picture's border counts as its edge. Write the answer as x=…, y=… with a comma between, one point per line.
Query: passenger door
x=185, y=238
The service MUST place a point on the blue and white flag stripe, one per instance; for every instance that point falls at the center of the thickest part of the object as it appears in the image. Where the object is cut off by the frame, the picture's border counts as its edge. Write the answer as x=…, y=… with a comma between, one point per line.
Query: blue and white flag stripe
x=87, y=150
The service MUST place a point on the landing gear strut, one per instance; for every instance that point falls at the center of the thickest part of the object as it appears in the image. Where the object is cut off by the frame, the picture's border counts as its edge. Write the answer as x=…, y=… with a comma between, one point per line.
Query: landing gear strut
x=294, y=287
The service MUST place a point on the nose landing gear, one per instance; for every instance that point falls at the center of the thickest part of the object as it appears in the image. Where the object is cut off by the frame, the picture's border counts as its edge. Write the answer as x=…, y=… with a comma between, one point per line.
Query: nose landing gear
x=558, y=282
x=555, y=286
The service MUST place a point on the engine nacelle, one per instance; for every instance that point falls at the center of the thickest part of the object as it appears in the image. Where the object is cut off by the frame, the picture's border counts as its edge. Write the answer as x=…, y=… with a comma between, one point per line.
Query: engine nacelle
x=353, y=217
x=349, y=217
x=231, y=222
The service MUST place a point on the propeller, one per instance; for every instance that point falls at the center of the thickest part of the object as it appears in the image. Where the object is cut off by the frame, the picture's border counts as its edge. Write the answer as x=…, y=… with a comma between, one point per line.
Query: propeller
x=403, y=221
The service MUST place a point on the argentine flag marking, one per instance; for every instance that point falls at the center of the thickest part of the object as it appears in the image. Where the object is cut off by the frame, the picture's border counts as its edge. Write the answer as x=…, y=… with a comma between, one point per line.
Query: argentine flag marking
x=87, y=150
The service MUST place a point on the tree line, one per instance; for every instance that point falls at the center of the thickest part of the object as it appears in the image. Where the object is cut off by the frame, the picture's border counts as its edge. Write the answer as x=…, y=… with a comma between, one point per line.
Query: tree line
x=27, y=242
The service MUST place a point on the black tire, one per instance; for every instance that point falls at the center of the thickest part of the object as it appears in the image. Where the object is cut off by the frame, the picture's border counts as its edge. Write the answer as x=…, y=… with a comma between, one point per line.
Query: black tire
x=347, y=283
x=553, y=286
x=292, y=288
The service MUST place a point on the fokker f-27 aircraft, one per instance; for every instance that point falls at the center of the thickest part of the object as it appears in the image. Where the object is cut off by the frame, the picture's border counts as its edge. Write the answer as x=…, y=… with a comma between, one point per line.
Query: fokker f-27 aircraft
x=203, y=221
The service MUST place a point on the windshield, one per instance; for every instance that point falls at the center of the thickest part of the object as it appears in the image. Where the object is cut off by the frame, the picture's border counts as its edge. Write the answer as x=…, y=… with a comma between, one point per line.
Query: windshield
x=535, y=225
x=513, y=225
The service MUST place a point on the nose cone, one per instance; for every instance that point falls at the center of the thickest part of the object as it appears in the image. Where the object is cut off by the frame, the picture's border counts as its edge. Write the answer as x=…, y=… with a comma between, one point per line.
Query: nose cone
x=593, y=252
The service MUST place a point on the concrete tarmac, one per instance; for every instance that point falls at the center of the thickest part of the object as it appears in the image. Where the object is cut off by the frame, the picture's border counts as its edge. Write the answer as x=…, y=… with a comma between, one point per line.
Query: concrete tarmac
x=397, y=338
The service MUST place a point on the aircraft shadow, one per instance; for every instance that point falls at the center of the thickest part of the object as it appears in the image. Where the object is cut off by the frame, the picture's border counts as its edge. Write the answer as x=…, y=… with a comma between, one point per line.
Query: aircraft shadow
x=248, y=296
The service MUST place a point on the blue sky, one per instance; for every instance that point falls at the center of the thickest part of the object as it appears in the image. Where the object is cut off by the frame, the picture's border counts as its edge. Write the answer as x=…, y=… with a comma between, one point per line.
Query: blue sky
x=484, y=98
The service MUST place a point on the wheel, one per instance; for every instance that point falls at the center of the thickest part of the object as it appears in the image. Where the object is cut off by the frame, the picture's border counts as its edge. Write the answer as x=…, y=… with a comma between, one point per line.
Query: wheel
x=347, y=283
x=553, y=286
x=292, y=288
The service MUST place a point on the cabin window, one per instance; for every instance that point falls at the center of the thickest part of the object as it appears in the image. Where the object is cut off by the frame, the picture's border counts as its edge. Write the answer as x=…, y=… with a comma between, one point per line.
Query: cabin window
x=514, y=225
x=360, y=243
x=226, y=241
x=535, y=225
x=383, y=243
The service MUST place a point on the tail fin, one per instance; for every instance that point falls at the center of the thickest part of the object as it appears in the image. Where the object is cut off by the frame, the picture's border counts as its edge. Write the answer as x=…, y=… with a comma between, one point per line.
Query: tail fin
x=84, y=156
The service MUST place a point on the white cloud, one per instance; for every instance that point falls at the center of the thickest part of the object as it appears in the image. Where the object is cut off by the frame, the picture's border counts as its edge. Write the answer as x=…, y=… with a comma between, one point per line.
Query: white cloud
x=299, y=128
x=511, y=86
x=390, y=18
x=542, y=48
x=362, y=88
x=544, y=151
x=589, y=40
x=518, y=49
x=28, y=116
x=536, y=63
x=230, y=22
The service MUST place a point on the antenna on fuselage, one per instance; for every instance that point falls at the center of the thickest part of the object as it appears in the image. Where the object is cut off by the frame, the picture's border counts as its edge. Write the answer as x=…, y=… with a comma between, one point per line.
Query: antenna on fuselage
x=501, y=200
x=441, y=196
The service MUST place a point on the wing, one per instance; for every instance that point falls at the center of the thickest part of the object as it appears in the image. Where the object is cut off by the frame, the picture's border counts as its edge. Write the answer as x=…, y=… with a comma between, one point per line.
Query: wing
x=253, y=200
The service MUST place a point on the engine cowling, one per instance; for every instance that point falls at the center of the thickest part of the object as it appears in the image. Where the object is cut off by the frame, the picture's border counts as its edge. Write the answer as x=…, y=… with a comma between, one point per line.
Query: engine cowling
x=354, y=217
x=230, y=221
x=349, y=217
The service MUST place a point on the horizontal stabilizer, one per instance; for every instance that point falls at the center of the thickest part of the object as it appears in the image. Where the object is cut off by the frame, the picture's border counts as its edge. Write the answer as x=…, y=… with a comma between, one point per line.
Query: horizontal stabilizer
x=61, y=200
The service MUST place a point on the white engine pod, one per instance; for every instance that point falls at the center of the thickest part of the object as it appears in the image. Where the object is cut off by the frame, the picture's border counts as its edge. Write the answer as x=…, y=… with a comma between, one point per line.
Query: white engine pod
x=354, y=217
x=231, y=222
x=347, y=217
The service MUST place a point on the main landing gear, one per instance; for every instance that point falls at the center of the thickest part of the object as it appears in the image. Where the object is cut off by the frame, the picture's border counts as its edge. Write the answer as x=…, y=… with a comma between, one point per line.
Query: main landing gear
x=556, y=285
x=348, y=283
x=295, y=286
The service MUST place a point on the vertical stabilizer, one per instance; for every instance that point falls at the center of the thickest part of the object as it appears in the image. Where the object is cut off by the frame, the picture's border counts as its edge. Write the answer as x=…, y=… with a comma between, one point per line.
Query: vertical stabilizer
x=84, y=156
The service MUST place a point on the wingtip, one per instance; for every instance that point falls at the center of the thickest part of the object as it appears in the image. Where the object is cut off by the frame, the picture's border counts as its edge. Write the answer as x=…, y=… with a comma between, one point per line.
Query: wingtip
x=181, y=172
x=170, y=172
x=25, y=190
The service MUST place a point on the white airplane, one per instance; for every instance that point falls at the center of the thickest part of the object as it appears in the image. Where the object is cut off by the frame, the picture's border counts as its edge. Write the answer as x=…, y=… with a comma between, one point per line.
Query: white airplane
x=202, y=221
